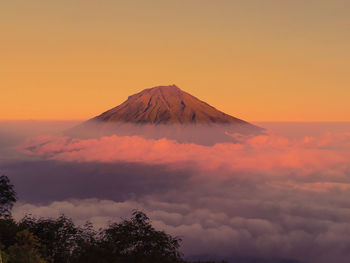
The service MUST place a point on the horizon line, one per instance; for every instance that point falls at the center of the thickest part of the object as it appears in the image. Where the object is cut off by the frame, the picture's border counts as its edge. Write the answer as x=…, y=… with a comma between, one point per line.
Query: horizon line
x=256, y=121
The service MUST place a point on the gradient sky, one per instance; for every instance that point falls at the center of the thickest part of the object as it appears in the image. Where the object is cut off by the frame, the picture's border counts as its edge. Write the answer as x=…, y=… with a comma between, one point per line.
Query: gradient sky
x=258, y=60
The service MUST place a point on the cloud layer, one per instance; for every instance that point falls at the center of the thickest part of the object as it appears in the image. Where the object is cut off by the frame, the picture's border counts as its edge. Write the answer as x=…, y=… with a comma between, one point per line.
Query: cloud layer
x=259, y=153
x=266, y=197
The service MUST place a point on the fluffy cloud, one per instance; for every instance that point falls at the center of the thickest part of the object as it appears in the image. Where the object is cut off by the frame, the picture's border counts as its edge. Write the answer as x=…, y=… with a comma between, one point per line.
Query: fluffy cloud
x=260, y=153
x=263, y=197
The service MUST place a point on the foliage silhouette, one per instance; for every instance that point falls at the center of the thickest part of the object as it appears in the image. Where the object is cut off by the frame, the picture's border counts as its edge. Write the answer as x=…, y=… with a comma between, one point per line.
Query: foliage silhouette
x=58, y=237
x=25, y=250
x=135, y=240
x=7, y=196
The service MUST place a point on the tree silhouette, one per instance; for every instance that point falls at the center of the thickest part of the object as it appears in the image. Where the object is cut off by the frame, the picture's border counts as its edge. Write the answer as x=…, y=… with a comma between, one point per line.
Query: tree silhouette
x=133, y=240
x=7, y=196
x=25, y=250
x=137, y=240
x=58, y=237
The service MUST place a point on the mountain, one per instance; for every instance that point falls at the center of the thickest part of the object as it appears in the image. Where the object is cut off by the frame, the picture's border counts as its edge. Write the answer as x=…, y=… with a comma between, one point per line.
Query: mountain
x=166, y=112
x=166, y=105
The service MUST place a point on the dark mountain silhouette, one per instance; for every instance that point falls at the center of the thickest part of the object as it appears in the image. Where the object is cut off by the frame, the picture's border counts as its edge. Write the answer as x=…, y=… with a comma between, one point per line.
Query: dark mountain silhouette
x=167, y=112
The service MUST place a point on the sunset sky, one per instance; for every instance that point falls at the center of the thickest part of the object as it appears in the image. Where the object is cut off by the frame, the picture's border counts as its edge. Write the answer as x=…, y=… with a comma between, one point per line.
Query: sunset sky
x=279, y=192
x=258, y=60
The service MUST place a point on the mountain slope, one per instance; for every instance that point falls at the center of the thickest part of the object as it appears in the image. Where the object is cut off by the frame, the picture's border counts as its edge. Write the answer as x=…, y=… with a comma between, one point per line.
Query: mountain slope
x=166, y=105
x=166, y=112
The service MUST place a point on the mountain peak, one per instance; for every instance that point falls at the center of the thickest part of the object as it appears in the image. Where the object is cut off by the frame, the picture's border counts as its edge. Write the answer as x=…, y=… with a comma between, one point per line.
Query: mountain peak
x=166, y=105
x=166, y=112
x=170, y=90
x=168, y=87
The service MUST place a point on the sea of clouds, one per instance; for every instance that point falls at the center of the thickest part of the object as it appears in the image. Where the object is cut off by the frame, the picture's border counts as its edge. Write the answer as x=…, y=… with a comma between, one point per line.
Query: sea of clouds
x=270, y=197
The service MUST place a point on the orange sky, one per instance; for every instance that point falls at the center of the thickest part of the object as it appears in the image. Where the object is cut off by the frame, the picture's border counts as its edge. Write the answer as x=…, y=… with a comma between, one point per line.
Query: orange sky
x=258, y=60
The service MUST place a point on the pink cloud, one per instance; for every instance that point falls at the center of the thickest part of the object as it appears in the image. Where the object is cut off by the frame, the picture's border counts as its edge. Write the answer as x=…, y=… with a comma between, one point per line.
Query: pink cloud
x=260, y=153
